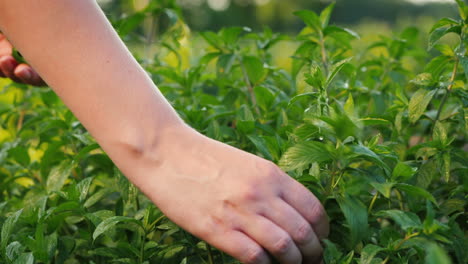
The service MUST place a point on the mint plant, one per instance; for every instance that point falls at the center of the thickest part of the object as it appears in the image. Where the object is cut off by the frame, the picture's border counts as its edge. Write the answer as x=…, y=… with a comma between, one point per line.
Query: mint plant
x=378, y=133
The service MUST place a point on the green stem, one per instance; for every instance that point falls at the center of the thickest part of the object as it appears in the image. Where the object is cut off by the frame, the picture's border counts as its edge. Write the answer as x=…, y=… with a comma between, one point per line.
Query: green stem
x=250, y=88
x=210, y=254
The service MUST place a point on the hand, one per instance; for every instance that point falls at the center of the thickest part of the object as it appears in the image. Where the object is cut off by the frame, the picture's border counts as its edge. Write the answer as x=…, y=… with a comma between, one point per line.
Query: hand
x=236, y=201
x=10, y=68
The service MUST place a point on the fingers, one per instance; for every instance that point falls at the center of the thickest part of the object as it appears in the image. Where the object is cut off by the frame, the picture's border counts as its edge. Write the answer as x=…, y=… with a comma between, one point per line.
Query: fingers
x=274, y=239
x=298, y=228
x=7, y=66
x=308, y=206
x=28, y=75
x=241, y=247
x=22, y=73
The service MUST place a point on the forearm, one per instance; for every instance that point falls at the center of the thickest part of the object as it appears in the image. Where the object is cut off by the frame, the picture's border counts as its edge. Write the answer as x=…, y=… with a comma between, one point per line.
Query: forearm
x=80, y=56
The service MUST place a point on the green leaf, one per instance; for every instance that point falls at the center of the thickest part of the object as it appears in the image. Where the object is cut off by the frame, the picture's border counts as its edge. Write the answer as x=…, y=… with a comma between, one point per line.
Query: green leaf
x=25, y=258
x=245, y=120
x=423, y=79
x=464, y=63
x=336, y=68
x=369, y=121
x=331, y=30
x=436, y=255
x=213, y=39
x=438, y=33
x=416, y=191
x=356, y=216
x=426, y=174
x=368, y=253
x=418, y=103
x=83, y=188
x=406, y=220
x=440, y=134
x=303, y=154
x=254, y=68
x=7, y=228
x=447, y=161
x=364, y=152
x=349, y=106
x=403, y=172
x=261, y=146
x=265, y=97
x=13, y=250
x=20, y=155
x=58, y=175
x=310, y=19
x=111, y=222
x=384, y=188
x=326, y=14
x=462, y=9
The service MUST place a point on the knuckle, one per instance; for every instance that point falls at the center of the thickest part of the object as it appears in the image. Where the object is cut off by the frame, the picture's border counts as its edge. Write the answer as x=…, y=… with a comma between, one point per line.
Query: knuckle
x=303, y=233
x=254, y=256
x=282, y=246
x=317, y=213
x=251, y=193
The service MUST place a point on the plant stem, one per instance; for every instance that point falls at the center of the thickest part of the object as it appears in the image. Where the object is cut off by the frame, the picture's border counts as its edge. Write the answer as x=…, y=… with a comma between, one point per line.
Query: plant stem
x=210, y=254
x=250, y=88
x=373, y=202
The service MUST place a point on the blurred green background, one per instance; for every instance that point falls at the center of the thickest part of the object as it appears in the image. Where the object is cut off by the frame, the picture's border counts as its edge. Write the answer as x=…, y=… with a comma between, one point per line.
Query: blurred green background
x=277, y=14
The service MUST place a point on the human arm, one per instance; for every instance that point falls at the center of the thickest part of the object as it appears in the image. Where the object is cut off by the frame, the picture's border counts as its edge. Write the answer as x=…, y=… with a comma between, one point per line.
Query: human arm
x=10, y=68
x=236, y=201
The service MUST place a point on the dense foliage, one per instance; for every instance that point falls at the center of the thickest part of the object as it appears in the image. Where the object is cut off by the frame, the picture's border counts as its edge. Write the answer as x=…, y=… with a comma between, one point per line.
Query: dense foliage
x=377, y=132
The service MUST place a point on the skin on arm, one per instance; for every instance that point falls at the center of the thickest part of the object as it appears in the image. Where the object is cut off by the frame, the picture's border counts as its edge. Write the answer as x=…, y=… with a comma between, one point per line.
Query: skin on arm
x=239, y=203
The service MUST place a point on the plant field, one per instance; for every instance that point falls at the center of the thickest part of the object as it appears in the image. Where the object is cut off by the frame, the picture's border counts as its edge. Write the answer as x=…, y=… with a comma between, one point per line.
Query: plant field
x=378, y=133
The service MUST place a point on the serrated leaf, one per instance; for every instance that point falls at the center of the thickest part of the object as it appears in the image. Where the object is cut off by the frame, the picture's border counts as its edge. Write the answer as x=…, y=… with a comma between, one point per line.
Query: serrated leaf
x=365, y=152
x=369, y=252
x=7, y=228
x=58, y=175
x=356, y=216
x=111, y=222
x=13, y=250
x=304, y=154
x=426, y=174
x=418, y=103
x=25, y=258
x=406, y=220
x=416, y=191
x=336, y=68
x=440, y=134
x=83, y=188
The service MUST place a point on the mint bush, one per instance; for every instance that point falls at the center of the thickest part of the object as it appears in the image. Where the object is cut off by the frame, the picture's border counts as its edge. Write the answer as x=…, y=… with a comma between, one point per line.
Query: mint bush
x=382, y=142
